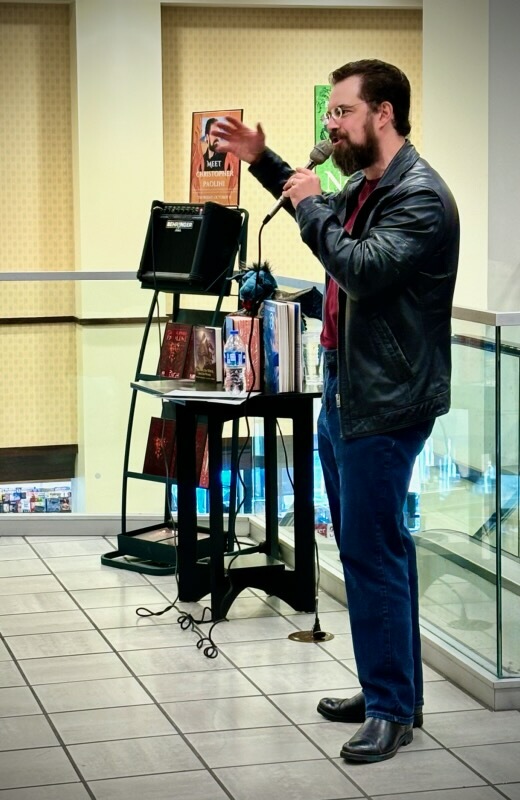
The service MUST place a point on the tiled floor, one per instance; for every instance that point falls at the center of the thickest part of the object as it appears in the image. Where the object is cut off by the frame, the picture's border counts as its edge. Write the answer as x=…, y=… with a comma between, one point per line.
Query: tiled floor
x=97, y=702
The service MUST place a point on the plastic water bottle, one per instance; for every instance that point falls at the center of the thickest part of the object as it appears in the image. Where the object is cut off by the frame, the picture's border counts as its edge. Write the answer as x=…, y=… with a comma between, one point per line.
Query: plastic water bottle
x=234, y=364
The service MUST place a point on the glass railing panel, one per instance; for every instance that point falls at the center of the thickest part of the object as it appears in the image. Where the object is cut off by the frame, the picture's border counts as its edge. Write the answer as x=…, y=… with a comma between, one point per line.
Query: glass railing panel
x=457, y=470
x=509, y=433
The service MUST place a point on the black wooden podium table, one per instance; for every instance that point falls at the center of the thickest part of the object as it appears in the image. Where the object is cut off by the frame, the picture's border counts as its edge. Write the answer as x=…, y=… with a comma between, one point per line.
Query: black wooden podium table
x=224, y=574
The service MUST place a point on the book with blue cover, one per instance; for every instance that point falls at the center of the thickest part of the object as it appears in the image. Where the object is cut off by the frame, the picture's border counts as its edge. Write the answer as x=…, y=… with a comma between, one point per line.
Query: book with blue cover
x=282, y=346
x=271, y=347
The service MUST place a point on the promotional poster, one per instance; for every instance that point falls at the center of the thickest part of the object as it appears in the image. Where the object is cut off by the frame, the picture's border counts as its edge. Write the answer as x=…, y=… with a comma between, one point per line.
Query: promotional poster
x=213, y=176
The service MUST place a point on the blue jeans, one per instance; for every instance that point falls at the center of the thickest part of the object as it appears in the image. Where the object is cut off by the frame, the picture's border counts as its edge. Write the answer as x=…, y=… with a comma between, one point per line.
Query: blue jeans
x=367, y=481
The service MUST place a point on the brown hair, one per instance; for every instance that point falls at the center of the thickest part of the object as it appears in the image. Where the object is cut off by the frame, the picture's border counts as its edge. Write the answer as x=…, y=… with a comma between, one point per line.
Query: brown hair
x=379, y=82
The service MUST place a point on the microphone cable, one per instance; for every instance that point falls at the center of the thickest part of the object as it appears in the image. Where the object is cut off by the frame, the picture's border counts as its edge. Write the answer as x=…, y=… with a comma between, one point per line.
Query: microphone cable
x=186, y=620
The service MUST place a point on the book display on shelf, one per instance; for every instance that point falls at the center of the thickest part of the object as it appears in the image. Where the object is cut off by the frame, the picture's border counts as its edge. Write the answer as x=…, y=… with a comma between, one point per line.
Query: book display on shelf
x=52, y=504
x=175, y=348
x=254, y=347
x=28, y=499
x=159, y=457
x=282, y=346
x=161, y=450
x=208, y=353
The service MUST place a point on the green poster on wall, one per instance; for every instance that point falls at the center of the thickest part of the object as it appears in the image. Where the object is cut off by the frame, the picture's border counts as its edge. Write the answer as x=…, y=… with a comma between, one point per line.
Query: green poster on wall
x=330, y=176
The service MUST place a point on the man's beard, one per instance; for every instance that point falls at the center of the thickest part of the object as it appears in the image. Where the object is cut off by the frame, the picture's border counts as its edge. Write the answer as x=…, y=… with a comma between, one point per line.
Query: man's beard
x=350, y=158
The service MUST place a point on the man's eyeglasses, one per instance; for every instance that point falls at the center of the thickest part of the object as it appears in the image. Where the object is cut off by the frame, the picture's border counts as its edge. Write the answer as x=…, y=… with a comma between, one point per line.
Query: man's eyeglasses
x=339, y=112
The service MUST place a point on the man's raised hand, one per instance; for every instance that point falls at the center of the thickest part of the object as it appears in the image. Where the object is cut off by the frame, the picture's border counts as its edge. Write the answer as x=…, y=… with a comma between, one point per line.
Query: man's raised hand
x=234, y=137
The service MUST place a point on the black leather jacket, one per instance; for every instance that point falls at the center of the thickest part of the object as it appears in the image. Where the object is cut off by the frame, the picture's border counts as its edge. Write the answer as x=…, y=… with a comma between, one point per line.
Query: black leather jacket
x=397, y=276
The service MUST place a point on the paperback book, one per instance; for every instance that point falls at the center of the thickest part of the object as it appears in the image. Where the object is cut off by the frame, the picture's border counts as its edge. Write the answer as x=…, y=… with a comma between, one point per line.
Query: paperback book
x=160, y=448
x=208, y=353
x=175, y=347
x=189, y=365
x=201, y=455
x=282, y=346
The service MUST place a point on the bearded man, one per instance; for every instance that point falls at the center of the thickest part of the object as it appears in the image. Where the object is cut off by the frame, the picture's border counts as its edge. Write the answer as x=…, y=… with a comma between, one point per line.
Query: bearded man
x=389, y=244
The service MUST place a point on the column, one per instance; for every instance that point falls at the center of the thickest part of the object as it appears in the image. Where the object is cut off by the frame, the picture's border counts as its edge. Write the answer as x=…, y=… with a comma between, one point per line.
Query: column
x=118, y=171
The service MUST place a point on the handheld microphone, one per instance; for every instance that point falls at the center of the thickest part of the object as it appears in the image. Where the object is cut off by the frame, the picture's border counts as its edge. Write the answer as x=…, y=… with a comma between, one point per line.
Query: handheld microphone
x=318, y=155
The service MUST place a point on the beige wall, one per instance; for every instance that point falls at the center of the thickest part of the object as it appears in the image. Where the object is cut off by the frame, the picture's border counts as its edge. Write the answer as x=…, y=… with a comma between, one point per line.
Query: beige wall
x=37, y=384
x=35, y=124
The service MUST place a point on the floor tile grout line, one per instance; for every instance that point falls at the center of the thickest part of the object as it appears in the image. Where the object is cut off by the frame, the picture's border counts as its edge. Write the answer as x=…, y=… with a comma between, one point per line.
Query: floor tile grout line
x=330, y=759
x=154, y=701
x=450, y=750
x=84, y=612
x=145, y=689
x=98, y=630
x=298, y=727
x=159, y=705
x=49, y=721
x=160, y=772
x=291, y=722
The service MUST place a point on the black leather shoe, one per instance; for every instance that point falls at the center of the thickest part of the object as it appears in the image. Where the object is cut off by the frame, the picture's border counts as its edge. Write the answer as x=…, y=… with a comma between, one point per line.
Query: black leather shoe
x=353, y=710
x=376, y=740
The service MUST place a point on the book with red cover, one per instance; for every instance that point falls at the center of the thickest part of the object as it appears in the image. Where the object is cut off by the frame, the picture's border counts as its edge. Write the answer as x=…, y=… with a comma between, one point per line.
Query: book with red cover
x=174, y=350
x=201, y=456
x=254, y=348
x=160, y=448
x=189, y=365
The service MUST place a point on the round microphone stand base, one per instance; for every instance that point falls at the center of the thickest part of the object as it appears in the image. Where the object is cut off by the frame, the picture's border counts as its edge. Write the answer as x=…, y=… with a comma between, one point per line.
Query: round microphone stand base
x=310, y=636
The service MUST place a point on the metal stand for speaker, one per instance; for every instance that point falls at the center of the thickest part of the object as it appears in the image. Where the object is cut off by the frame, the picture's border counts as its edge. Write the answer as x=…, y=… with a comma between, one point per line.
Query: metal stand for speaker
x=144, y=549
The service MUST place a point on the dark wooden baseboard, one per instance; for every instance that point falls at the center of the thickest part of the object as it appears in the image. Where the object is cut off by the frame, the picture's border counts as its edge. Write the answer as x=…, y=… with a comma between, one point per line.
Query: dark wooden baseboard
x=48, y=462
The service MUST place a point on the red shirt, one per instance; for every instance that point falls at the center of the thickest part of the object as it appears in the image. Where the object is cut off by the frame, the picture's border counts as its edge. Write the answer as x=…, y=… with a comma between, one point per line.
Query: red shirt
x=329, y=333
